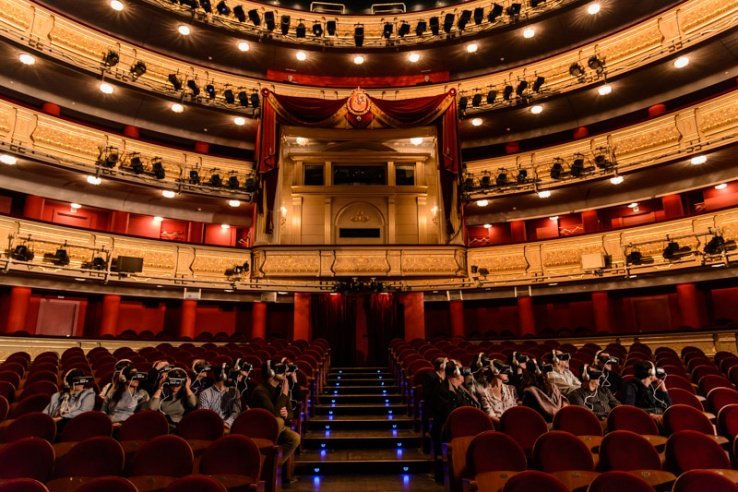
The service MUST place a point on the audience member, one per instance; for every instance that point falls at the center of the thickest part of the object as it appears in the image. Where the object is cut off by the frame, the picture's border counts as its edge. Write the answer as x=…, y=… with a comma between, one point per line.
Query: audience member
x=155, y=374
x=610, y=378
x=125, y=397
x=592, y=394
x=560, y=375
x=75, y=397
x=647, y=389
x=433, y=379
x=493, y=389
x=540, y=393
x=119, y=366
x=448, y=396
x=201, y=371
x=173, y=395
x=222, y=396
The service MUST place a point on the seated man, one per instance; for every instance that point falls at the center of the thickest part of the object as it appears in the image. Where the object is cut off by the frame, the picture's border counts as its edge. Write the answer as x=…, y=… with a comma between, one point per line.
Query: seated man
x=276, y=395
x=222, y=397
x=561, y=376
x=606, y=363
x=592, y=394
x=647, y=390
x=448, y=396
x=75, y=397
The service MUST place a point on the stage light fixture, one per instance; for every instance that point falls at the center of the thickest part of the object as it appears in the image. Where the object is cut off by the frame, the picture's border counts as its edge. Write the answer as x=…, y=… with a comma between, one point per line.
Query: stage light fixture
x=634, y=258
x=317, y=29
x=111, y=58
x=421, y=28
x=215, y=180
x=501, y=179
x=576, y=70
x=522, y=176
x=557, y=168
x=194, y=88
x=715, y=245
x=243, y=99
x=435, y=25
x=233, y=182
x=448, y=23
x=671, y=250
x=157, y=167
x=514, y=9
x=210, y=91
x=468, y=182
x=184, y=30
x=251, y=184
x=387, y=30
x=522, y=85
x=137, y=165
x=577, y=166
x=269, y=22
x=189, y=3
x=255, y=100
x=97, y=263
x=330, y=27
x=206, y=6
x=253, y=14
x=478, y=15
x=491, y=96
x=404, y=29
x=477, y=100
x=596, y=63
x=175, y=81
x=494, y=12
x=223, y=8
x=138, y=69
x=538, y=83
x=507, y=92
x=60, y=257
x=359, y=36
x=536, y=3
x=194, y=178
x=602, y=158
x=300, y=30
x=108, y=157
x=22, y=253
x=477, y=121
x=486, y=180
x=463, y=103
x=239, y=121
x=230, y=98
x=464, y=19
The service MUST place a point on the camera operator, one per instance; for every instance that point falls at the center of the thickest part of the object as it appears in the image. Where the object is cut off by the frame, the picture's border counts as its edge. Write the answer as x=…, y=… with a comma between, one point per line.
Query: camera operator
x=561, y=376
x=125, y=396
x=592, y=394
x=75, y=397
x=173, y=395
x=201, y=370
x=647, y=389
x=494, y=391
x=606, y=363
x=222, y=396
x=539, y=393
x=276, y=395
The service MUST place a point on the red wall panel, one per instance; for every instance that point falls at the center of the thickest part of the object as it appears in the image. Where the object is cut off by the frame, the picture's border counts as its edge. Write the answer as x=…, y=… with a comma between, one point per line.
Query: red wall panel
x=212, y=318
x=140, y=316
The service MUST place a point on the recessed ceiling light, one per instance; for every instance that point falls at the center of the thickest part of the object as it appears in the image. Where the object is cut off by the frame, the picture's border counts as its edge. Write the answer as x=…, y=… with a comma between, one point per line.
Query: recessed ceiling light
x=413, y=57
x=554, y=218
x=544, y=194
x=472, y=47
x=301, y=140
x=75, y=206
x=94, y=180
x=117, y=5
x=482, y=203
x=697, y=160
x=358, y=59
x=177, y=107
x=184, y=30
x=529, y=33
x=594, y=8
x=477, y=121
x=487, y=226
x=225, y=226
x=301, y=55
x=616, y=180
x=158, y=220
x=168, y=193
x=243, y=46
x=633, y=205
x=27, y=59
x=416, y=140
x=604, y=90
x=681, y=62
x=536, y=109
x=10, y=160
x=106, y=88
x=239, y=120
x=721, y=186
x=234, y=203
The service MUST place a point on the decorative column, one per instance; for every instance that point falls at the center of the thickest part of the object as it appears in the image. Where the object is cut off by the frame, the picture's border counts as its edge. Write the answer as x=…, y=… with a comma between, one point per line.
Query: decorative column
x=689, y=304
x=109, y=318
x=301, y=326
x=673, y=207
x=517, y=231
x=33, y=208
x=601, y=308
x=258, y=320
x=526, y=317
x=456, y=309
x=20, y=298
x=412, y=304
x=187, y=322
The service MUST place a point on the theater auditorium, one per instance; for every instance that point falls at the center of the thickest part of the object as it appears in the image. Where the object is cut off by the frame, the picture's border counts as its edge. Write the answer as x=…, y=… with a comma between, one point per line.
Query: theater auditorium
x=368, y=245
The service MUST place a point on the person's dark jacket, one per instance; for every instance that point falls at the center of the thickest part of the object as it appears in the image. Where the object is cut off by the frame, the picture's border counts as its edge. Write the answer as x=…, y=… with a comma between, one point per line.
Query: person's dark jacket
x=649, y=399
x=446, y=399
x=601, y=401
x=272, y=399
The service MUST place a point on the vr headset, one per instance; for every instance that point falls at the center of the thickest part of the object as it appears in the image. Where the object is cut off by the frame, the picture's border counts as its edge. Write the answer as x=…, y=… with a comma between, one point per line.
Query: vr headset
x=82, y=380
x=284, y=368
x=607, y=359
x=139, y=376
x=242, y=365
x=660, y=373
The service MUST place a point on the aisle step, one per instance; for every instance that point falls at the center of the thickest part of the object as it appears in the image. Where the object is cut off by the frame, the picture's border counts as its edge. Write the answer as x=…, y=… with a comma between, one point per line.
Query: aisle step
x=362, y=461
x=358, y=408
x=362, y=389
x=344, y=439
x=368, y=422
x=348, y=398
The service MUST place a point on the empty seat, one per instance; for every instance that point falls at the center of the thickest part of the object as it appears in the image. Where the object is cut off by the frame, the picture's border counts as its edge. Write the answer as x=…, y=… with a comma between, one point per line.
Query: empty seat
x=35, y=403
x=634, y=419
x=683, y=417
x=625, y=450
x=560, y=451
x=690, y=450
x=727, y=421
x=619, y=481
x=94, y=457
x=196, y=483
x=4, y=408
x=676, y=381
x=712, y=381
x=525, y=425
x=201, y=424
x=467, y=421
x=703, y=480
x=720, y=397
x=494, y=451
x=233, y=455
x=680, y=396
x=168, y=455
x=577, y=420
x=144, y=425
x=86, y=425
x=39, y=375
x=30, y=457
x=34, y=424
x=107, y=484
x=531, y=480
x=22, y=485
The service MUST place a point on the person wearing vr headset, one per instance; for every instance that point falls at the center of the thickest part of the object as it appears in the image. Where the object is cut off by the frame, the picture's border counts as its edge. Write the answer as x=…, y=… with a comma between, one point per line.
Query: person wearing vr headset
x=606, y=363
x=173, y=395
x=222, y=397
x=75, y=397
x=592, y=394
x=433, y=379
x=125, y=397
x=647, y=389
x=157, y=371
x=448, y=396
x=519, y=364
x=493, y=388
x=275, y=394
x=561, y=376
x=539, y=393
x=119, y=366
x=201, y=370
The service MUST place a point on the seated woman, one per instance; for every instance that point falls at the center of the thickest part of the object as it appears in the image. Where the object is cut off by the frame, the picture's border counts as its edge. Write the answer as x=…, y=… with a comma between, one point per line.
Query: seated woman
x=75, y=397
x=173, y=396
x=592, y=394
x=125, y=397
x=119, y=366
x=494, y=389
x=539, y=393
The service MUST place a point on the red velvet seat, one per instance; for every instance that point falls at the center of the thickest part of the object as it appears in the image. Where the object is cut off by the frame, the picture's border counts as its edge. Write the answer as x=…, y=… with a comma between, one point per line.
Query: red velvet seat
x=577, y=420
x=619, y=481
x=561, y=451
x=34, y=424
x=201, y=424
x=525, y=425
x=533, y=480
x=727, y=421
x=35, y=403
x=467, y=421
x=38, y=388
x=35, y=376
x=233, y=455
x=10, y=377
x=86, y=425
x=712, y=381
x=4, y=408
x=23, y=485
x=683, y=397
x=676, y=381
x=30, y=457
x=196, y=483
x=703, y=480
x=256, y=423
x=494, y=451
x=12, y=366
x=720, y=397
x=168, y=455
x=108, y=484
x=690, y=450
x=683, y=417
x=144, y=425
x=634, y=419
x=94, y=457
x=625, y=450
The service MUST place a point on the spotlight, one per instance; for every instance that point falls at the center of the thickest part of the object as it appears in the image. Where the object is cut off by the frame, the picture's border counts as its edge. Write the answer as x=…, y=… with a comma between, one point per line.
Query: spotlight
x=494, y=12
x=463, y=102
x=136, y=164
x=514, y=9
x=175, y=81
x=448, y=23
x=634, y=258
x=233, y=182
x=215, y=180
x=193, y=88
x=477, y=121
x=22, y=253
x=501, y=179
x=243, y=98
x=269, y=21
x=671, y=250
x=577, y=167
x=576, y=70
x=359, y=36
x=138, y=69
x=507, y=92
x=469, y=182
x=464, y=19
x=435, y=25
x=330, y=26
x=97, y=263
x=538, y=83
x=111, y=58
x=206, y=6
x=255, y=100
x=229, y=97
x=157, y=167
x=404, y=29
x=557, y=168
x=317, y=29
x=194, y=177
x=522, y=85
x=184, y=30
x=595, y=63
x=60, y=257
x=536, y=3
x=421, y=28
x=251, y=184
x=284, y=25
x=237, y=269
x=617, y=179
x=210, y=91
x=387, y=30
x=491, y=96
x=478, y=15
x=300, y=30
x=109, y=157
x=522, y=176
x=477, y=100
x=715, y=245
x=604, y=90
x=223, y=8
x=544, y=194
x=253, y=16
x=486, y=180
x=601, y=158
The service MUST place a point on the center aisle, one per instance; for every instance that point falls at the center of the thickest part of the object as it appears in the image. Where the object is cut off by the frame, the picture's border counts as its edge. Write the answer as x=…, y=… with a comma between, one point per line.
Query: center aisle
x=362, y=438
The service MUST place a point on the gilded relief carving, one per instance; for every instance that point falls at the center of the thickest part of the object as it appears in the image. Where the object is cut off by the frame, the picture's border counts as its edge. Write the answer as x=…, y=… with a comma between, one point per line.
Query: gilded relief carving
x=15, y=14
x=281, y=264
x=360, y=264
x=66, y=142
x=429, y=264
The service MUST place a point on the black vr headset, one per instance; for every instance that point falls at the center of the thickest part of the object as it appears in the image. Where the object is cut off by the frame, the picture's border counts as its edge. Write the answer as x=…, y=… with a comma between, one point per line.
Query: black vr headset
x=604, y=358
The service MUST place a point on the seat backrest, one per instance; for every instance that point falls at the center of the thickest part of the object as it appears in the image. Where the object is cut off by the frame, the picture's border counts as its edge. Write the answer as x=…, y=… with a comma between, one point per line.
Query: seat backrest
x=38, y=388
x=625, y=450
x=168, y=455
x=677, y=381
x=11, y=377
x=690, y=450
x=142, y=426
x=531, y=480
x=523, y=424
x=720, y=397
x=561, y=451
x=683, y=417
x=634, y=419
x=94, y=457
x=232, y=455
x=35, y=403
x=712, y=381
x=107, y=484
x=577, y=420
x=202, y=424
x=467, y=421
x=22, y=485
x=196, y=483
x=86, y=425
x=256, y=423
x=701, y=480
x=30, y=457
x=494, y=451
x=34, y=424
x=727, y=419
x=42, y=375
x=618, y=481
x=683, y=397
x=4, y=408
